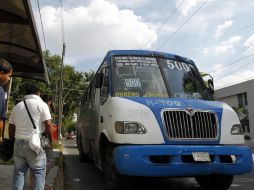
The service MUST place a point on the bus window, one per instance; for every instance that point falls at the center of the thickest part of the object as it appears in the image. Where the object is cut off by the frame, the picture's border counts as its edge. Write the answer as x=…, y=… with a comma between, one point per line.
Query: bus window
x=92, y=91
x=105, y=86
x=86, y=94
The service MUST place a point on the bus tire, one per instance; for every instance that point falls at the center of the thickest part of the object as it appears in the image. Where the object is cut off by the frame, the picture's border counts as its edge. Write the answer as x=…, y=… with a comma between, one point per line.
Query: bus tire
x=114, y=180
x=218, y=182
x=82, y=156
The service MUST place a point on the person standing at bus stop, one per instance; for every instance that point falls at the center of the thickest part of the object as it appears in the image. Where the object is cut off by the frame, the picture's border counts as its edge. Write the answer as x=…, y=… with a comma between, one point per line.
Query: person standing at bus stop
x=5, y=75
x=48, y=150
x=21, y=127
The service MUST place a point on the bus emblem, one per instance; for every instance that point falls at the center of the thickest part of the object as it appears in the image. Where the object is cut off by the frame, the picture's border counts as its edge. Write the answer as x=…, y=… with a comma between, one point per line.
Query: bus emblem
x=190, y=110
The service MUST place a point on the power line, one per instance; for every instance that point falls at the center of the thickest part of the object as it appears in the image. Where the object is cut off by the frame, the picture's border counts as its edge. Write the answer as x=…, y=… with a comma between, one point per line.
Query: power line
x=231, y=63
x=179, y=28
x=237, y=69
x=165, y=22
x=232, y=33
x=233, y=83
x=38, y=3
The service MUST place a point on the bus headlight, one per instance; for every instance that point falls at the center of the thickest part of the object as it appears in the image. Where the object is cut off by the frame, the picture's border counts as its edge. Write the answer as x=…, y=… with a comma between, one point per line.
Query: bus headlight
x=127, y=127
x=237, y=129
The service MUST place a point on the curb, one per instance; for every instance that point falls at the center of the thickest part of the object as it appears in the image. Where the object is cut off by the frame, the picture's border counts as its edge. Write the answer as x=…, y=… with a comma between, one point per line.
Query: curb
x=59, y=180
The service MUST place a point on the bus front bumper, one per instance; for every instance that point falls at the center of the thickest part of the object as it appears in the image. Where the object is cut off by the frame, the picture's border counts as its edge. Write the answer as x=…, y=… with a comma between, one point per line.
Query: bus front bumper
x=177, y=160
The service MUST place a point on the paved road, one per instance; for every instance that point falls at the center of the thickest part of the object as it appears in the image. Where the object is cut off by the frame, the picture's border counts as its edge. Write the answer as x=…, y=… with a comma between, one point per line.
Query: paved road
x=79, y=176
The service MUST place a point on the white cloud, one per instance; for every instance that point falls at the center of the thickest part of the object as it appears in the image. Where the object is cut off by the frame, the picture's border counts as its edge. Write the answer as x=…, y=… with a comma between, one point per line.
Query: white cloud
x=93, y=30
x=94, y=26
x=229, y=75
x=217, y=70
x=222, y=27
x=227, y=46
x=249, y=43
x=129, y=3
x=187, y=5
x=236, y=77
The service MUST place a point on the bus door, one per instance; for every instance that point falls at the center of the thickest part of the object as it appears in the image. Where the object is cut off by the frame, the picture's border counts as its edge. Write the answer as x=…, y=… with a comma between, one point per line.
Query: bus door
x=100, y=98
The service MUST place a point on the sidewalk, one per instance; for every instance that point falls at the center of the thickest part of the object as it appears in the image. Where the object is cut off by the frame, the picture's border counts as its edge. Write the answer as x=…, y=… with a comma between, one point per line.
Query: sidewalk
x=52, y=180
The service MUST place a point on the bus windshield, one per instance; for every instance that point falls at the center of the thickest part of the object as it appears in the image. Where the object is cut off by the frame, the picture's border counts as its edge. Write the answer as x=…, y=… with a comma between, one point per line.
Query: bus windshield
x=137, y=76
x=183, y=80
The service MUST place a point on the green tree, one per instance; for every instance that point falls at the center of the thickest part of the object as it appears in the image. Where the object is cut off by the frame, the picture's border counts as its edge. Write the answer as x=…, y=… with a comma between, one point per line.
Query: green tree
x=75, y=84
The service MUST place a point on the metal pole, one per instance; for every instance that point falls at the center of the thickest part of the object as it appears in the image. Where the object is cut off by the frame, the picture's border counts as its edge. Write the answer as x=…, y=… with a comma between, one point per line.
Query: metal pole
x=60, y=104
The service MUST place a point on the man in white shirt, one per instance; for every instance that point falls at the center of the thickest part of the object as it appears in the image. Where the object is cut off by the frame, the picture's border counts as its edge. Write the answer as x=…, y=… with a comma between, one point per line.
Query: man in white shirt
x=20, y=129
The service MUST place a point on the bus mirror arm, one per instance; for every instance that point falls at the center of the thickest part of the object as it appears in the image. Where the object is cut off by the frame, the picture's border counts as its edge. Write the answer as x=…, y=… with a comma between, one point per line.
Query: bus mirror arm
x=98, y=80
x=210, y=86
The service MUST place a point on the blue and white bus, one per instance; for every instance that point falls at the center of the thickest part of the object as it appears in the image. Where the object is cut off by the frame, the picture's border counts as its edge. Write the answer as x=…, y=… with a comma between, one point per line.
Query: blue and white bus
x=151, y=114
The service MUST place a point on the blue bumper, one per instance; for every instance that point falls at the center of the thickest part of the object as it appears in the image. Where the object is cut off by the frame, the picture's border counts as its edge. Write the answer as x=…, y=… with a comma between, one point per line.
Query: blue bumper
x=176, y=160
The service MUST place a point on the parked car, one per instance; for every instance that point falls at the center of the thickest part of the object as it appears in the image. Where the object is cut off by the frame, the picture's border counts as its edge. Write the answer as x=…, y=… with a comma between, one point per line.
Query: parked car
x=71, y=136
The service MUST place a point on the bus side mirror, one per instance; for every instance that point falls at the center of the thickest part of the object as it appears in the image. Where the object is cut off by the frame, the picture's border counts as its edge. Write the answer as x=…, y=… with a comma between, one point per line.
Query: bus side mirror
x=210, y=86
x=98, y=80
x=208, y=82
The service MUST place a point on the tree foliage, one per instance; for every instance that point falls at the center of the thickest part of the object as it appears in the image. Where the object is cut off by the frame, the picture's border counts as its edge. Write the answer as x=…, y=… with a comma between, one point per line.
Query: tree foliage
x=74, y=82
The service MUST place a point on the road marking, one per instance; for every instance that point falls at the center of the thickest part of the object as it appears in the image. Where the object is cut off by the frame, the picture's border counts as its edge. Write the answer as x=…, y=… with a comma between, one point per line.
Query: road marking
x=243, y=180
x=235, y=185
x=76, y=180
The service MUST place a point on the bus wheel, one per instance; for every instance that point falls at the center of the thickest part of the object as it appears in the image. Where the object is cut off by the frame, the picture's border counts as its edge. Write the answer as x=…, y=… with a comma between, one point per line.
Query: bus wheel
x=218, y=182
x=114, y=180
x=82, y=156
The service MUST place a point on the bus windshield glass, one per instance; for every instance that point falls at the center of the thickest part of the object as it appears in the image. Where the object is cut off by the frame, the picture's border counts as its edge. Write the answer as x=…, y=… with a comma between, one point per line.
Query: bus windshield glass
x=183, y=80
x=135, y=76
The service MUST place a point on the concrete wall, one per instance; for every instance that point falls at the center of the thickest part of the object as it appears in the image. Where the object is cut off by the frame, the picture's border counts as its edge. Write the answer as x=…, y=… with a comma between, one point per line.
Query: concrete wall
x=230, y=100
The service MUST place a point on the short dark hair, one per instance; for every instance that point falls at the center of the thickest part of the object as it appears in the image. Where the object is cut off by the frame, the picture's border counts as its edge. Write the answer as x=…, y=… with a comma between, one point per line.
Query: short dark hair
x=5, y=66
x=46, y=98
x=31, y=89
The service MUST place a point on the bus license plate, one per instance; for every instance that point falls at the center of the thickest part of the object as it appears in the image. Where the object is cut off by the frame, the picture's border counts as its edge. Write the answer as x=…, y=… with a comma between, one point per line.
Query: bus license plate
x=201, y=156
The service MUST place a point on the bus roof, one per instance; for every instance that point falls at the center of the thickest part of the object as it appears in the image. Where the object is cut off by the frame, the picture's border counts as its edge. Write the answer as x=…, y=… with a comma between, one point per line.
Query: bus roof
x=149, y=53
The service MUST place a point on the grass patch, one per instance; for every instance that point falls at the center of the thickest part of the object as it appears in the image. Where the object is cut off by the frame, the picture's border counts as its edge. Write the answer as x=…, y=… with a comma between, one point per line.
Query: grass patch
x=57, y=145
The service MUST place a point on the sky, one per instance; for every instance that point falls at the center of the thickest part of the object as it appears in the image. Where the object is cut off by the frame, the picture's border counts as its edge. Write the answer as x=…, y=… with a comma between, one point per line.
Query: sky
x=217, y=35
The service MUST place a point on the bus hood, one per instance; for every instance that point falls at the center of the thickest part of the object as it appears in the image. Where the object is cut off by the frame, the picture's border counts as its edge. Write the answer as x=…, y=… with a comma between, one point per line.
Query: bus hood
x=158, y=104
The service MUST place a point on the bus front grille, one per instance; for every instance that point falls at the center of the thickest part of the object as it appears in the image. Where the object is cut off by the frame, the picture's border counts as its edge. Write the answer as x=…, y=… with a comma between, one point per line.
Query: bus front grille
x=181, y=125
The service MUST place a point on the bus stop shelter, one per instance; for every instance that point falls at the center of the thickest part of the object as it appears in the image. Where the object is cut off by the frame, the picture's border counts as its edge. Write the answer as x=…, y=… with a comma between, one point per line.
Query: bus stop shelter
x=19, y=41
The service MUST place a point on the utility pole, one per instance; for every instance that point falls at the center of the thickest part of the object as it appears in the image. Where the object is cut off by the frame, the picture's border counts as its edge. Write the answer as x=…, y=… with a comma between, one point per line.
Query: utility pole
x=60, y=99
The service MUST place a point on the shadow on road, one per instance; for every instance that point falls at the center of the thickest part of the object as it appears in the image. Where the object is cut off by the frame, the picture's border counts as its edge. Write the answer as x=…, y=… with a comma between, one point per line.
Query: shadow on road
x=165, y=184
x=79, y=176
x=87, y=176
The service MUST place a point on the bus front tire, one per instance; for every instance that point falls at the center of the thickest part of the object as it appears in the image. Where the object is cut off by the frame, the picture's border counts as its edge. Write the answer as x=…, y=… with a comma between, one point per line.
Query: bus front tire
x=218, y=182
x=114, y=180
